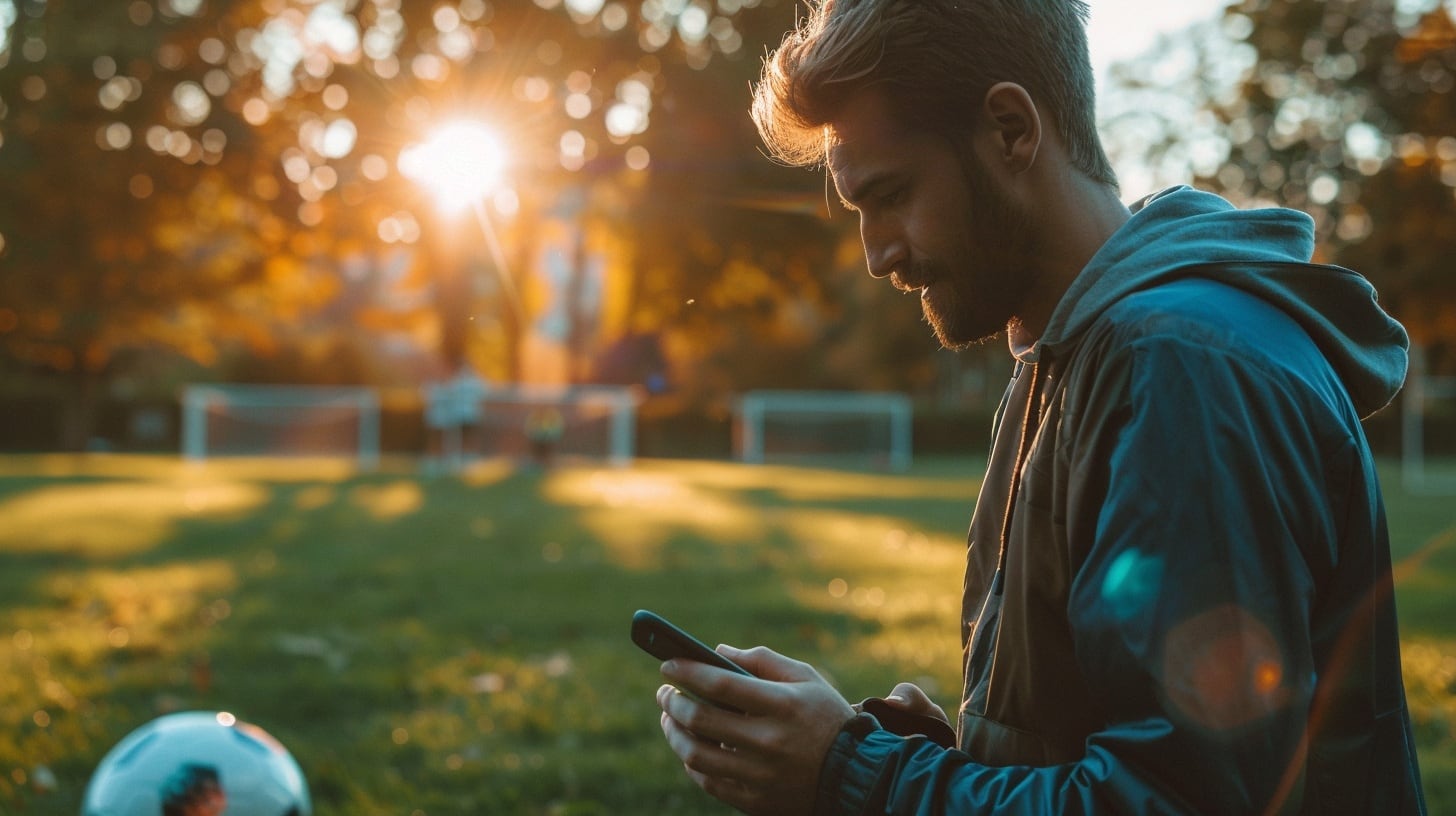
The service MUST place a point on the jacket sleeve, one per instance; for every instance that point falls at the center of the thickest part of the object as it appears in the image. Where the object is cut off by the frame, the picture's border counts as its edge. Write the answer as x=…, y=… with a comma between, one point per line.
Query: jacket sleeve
x=1198, y=517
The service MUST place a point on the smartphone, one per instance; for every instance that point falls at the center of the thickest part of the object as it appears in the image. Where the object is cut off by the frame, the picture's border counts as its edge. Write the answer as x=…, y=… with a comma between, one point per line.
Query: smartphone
x=664, y=641
x=660, y=638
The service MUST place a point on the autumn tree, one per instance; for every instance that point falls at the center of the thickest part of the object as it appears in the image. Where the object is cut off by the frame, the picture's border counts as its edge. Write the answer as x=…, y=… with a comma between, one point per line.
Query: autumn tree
x=122, y=225
x=200, y=176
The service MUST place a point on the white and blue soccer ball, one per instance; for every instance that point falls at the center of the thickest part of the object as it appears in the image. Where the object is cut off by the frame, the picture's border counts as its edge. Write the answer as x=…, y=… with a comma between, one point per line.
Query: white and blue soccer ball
x=197, y=763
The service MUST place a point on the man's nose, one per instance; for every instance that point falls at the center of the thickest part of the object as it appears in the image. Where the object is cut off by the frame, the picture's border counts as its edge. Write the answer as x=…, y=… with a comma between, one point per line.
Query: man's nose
x=885, y=251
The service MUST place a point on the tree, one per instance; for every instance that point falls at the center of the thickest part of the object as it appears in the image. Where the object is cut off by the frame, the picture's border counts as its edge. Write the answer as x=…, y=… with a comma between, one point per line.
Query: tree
x=214, y=175
x=1406, y=234
x=121, y=225
x=1341, y=108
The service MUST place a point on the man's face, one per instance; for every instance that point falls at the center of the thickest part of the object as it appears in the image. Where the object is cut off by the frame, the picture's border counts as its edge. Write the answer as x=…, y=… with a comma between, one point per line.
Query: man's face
x=933, y=220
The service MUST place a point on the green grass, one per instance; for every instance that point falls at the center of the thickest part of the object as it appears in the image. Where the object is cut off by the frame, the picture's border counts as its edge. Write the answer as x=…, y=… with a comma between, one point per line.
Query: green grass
x=453, y=645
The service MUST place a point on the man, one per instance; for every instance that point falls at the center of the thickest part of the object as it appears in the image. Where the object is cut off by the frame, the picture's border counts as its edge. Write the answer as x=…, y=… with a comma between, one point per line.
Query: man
x=1177, y=589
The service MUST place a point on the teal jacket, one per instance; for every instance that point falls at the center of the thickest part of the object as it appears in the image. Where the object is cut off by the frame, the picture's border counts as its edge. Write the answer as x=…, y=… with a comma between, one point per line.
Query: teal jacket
x=1178, y=593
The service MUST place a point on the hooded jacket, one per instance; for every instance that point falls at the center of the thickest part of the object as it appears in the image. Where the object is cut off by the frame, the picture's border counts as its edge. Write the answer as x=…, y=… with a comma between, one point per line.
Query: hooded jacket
x=1177, y=593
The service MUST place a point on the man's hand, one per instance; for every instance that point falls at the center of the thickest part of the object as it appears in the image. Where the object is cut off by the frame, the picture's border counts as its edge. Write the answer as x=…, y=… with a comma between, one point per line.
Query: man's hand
x=767, y=759
x=909, y=697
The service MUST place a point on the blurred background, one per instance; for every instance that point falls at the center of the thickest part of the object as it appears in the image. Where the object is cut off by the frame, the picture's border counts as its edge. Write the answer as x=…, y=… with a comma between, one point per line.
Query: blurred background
x=447, y=241
x=386, y=194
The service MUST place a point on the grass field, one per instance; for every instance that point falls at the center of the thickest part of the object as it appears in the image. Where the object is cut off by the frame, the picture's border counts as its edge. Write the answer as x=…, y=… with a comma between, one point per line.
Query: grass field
x=443, y=646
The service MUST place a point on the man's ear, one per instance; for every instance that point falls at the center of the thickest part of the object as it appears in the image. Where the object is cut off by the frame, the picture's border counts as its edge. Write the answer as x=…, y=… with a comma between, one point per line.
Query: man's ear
x=1016, y=125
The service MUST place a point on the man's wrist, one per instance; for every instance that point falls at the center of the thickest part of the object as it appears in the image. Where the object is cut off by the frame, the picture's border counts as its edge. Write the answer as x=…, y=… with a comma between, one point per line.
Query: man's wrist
x=835, y=785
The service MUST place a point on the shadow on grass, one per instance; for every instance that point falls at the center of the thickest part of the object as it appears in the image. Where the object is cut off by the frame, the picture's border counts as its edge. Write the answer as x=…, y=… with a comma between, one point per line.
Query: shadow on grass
x=459, y=645
x=447, y=645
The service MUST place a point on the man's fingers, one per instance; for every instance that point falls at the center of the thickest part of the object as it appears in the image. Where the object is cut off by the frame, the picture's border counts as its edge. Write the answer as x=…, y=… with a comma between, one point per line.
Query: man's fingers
x=750, y=694
x=705, y=720
x=768, y=664
x=705, y=757
x=909, y=697
x=762, y=693
x=731, y=792
x=764, y=757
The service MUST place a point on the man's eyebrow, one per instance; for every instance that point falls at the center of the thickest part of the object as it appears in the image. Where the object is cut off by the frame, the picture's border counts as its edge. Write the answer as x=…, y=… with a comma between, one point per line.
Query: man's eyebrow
x=863, y=188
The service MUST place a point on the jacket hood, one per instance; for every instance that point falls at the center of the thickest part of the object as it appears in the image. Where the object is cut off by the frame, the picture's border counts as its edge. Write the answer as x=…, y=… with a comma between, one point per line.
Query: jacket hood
x=1265, y=252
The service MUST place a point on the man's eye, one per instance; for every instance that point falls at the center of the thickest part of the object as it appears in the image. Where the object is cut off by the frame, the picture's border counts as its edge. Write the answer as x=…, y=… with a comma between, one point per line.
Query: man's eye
x=893, y=197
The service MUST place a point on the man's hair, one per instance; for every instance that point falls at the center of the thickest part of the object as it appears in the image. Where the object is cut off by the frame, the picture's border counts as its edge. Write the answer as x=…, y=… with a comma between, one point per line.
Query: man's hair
x=935, y=59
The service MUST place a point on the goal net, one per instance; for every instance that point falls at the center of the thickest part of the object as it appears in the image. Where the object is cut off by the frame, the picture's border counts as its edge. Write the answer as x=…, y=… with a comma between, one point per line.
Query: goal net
x=1428, y=430
x=592, y=422
x=279, y=420
x=834, y=428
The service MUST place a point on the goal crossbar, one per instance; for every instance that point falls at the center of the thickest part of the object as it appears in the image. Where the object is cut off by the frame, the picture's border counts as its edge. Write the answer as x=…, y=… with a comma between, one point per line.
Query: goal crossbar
x=505, y=406
x=290, y=405
x=755, y=407
x=591, y=421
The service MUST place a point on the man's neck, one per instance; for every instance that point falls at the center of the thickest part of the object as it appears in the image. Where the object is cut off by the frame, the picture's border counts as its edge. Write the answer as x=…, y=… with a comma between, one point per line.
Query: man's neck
x=1075, y=217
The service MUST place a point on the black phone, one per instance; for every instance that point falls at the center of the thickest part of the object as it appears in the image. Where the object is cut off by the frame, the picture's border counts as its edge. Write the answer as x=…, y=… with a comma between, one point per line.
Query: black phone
x=658, y=637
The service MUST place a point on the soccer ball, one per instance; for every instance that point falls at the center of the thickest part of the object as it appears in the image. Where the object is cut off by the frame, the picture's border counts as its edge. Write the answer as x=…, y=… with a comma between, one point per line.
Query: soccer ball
x=197, y=763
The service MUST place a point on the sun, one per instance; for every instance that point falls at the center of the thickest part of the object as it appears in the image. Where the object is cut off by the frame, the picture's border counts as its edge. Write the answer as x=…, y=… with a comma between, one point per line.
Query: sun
x=459, y=164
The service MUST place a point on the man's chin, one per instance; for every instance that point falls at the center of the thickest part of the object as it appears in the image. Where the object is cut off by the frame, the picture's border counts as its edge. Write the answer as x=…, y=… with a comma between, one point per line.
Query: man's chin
x=950, y=344
x=959, y=335
x=959, y=340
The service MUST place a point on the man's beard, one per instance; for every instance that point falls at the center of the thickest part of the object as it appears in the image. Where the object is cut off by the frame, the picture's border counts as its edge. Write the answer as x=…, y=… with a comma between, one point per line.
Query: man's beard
x=976, y=300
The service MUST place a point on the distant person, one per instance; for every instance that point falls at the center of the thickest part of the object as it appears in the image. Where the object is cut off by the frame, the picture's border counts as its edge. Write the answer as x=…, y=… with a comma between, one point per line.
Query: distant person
x=454, y=413
x=544, y=427
x=1177, y=595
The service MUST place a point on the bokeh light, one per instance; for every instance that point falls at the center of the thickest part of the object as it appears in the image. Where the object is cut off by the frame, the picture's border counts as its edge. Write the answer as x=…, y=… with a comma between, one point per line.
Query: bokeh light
x=102, y=67
x=191, y=104
x=459, y=164
x=374, y=167
x=614, y=17
x=338, y=139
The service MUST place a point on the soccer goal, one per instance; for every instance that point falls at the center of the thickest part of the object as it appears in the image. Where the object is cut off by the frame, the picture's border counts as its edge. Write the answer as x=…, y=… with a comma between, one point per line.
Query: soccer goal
x=1428, y=430
x=591, y=422
x=280, y=420
x=834, y=428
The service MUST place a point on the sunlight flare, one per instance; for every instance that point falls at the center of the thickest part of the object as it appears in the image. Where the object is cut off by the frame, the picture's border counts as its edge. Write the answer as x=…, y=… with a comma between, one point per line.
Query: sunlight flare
x=459, y=164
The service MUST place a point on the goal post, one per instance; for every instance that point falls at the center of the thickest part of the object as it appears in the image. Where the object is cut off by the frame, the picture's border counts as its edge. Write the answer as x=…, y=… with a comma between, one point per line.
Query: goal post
x=592, y=422
x=281, y=420
x=831, y=427
x=1428, y=428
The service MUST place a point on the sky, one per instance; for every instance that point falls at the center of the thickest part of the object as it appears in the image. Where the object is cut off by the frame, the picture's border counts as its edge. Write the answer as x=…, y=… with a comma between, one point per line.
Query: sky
x=1123, y=29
